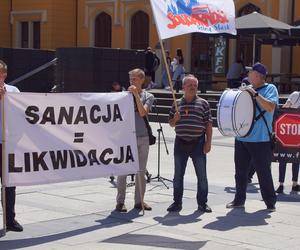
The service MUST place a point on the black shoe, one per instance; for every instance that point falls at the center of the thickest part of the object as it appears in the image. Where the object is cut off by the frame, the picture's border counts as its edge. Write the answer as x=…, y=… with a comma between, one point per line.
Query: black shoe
x=120, y=207
x=174, y=207
x=14, y=226
x=279, y=189
x=296, y=188
x=146, y=206
x=235, y=204
x=204, y=208
x=271, y=208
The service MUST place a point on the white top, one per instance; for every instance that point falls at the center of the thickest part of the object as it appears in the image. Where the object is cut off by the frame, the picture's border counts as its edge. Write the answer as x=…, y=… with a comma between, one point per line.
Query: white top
x=9, y=88
x=294, y=99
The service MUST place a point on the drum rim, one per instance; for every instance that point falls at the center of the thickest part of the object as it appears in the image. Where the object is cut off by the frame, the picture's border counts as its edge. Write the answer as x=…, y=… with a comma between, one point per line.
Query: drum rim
x=218, y=112
x=254, y=114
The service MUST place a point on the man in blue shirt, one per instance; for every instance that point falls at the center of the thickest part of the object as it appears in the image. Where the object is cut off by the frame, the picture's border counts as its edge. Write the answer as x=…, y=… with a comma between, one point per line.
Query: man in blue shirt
x=256, y=147
x=10, y=197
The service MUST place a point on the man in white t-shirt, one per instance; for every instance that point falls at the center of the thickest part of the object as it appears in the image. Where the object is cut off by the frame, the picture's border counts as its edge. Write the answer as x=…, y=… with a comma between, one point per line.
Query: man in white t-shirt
x=10, y=192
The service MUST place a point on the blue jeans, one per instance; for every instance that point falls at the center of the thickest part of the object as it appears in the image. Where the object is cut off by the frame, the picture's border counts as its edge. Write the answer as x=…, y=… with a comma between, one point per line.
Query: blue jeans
x=199, y=160
x=260, y=156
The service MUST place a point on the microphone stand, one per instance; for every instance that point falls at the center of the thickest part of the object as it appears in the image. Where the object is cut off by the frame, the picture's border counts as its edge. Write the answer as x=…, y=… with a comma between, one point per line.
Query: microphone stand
x=160, y=132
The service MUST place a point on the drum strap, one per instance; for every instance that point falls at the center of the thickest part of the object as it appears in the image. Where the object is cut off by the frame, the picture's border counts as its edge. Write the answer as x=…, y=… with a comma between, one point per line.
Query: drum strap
x=261, y=114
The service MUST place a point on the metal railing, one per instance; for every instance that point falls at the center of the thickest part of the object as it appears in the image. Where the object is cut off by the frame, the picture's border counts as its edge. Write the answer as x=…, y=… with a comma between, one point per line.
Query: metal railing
x=33, y=72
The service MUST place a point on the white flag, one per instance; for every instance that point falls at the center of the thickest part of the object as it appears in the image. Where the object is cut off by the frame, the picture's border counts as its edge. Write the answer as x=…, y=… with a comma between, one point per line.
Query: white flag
x=178, y=17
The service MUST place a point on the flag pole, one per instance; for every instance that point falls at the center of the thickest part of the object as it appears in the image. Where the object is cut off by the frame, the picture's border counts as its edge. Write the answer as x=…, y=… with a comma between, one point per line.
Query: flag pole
x=168, y=73
x=165, y=59
x=3, y=189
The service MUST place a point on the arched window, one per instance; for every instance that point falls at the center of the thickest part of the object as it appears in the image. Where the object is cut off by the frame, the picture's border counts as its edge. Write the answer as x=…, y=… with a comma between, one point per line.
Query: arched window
x=103, y=30
x=139, y=30
x=245, y=43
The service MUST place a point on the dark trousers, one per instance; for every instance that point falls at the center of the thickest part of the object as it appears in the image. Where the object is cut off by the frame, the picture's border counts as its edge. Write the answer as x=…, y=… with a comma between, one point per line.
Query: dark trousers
x=260, y=155
x=10, y=197
x=251, y=172
x=282, y=169
x=181, y=156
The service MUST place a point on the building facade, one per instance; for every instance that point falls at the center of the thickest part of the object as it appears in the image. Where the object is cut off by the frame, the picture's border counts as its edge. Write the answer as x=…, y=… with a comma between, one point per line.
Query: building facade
x=51, y=24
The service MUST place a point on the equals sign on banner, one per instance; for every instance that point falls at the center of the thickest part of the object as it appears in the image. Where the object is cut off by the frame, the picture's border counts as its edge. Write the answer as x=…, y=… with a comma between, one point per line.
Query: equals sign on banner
x=78, y=137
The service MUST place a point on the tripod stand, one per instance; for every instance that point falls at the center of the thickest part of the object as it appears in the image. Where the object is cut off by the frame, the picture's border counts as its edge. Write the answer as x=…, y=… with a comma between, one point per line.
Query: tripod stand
x=160, y=132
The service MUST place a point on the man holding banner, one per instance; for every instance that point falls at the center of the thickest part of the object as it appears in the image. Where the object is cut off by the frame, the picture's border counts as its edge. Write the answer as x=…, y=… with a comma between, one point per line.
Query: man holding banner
x=174, y=18
x=193, y=127
x=143, y=102
x=10, y=192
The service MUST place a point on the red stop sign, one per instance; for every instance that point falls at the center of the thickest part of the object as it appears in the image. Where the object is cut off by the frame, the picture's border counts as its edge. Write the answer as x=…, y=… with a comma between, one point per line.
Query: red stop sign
x=287, y=130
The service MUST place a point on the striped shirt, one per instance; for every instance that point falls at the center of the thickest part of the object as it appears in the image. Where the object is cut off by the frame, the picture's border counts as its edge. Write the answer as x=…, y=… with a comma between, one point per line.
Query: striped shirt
x=194, y=118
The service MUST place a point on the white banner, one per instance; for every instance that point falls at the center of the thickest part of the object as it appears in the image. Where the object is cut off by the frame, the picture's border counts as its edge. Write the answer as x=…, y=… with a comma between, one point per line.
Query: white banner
x=178, y=17
x=60, y=137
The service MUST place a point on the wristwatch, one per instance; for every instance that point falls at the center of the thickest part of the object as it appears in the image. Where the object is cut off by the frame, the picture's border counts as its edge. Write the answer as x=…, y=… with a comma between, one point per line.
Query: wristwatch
x=256, y=95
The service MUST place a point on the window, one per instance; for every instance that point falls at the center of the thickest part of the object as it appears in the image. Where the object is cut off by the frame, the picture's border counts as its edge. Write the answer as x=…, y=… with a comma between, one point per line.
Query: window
x=36, y=35
x=30, y=35
x=103, y=30
x=202, y=53
x=139, y=30
x=24, y=35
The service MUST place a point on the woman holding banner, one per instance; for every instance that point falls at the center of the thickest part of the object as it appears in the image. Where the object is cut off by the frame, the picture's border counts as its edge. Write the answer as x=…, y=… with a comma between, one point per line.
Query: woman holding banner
x=143, y=103
x=10, y=192
x=293, y=101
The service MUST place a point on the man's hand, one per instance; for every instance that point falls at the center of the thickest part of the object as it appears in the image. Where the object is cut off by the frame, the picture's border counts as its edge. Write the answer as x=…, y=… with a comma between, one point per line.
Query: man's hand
x=175, y=119
x=2, y=90
x=206, y=147
x=132, y=89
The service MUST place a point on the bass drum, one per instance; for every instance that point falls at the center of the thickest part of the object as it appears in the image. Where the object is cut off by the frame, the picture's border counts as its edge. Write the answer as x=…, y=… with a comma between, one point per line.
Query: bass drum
x=236, y=113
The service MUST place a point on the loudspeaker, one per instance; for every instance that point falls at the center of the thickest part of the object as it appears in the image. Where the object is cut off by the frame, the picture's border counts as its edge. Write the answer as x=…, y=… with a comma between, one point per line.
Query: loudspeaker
x=23, y=61
x=94, y=69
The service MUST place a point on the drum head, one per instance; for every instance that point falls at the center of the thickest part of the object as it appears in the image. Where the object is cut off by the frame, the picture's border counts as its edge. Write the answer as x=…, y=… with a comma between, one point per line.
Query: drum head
x=243, y=115
x=235, y=113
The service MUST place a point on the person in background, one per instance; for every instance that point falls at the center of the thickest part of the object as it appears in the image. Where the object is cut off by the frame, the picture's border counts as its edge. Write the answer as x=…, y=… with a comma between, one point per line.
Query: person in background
x=256, y=147
x=10, y=192
x=164, y=79
x=152, y=63
x=116, y=87
x=143, y=103
x=178, y=69
x=293, y=101
x=235, y=74
x=193, y=127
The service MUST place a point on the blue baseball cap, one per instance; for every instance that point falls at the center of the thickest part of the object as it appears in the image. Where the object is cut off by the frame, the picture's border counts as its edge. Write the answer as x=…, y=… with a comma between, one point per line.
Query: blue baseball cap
x=260, y=68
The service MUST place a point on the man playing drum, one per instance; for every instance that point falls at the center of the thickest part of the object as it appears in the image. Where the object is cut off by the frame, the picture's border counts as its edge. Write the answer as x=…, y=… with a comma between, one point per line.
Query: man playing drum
x=256, y=147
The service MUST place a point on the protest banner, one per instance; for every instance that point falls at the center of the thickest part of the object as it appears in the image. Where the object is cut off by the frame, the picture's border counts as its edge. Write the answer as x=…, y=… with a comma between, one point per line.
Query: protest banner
x=60, y=137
